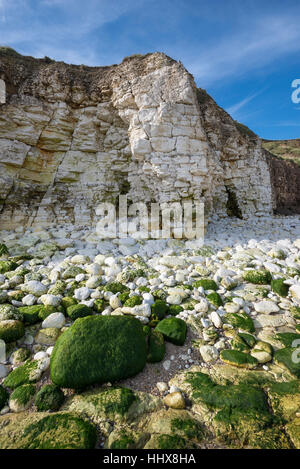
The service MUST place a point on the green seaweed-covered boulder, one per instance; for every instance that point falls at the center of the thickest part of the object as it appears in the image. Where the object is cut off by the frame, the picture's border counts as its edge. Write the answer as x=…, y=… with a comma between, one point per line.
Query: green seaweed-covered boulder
x=159, y=309
x=46, y=431
x=49, y=397
x=22, y=397
x=11, y=330
x=173, y=329
x=98, y=349
x=79, y=311
x=156, y=347
x=31, y=313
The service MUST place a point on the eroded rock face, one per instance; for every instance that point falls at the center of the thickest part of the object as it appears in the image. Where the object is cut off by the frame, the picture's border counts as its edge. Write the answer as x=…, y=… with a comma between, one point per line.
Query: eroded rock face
x=285, y=178
x=74, y=136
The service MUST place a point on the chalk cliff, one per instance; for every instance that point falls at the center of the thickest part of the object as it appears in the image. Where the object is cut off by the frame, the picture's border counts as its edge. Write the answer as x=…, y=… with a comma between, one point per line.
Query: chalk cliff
x=73, y=136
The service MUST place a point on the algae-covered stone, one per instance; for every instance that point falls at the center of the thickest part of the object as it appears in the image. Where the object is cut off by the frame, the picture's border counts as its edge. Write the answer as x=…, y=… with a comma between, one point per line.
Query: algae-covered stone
x=258, y=277
x=100, y=305
x=173, y=329
x=7, y=266
x=215, y=299
x=133, y=301
x=3, y=397
x=249, y=339
x=8, y=311
x=22, y=398
x=115, y=287
x=240, y=321
x=68, y=301
x=240, y=359
x=49, y=397
x=175, y=309
x=79, y=311
x=31, y=313
x=24, y=374
x=113, y=404
x=11, y=330
x=58, y=288
x=238, y=343
x=156, y=347
x=159, y=309
x=278, y=286
x=98, y=349
x=288, y=339
x=206, y=283
x=47, y=336
x=44, y=431
x=289, y=358
x=175, y=422
x=71, y=272
x=20, y=356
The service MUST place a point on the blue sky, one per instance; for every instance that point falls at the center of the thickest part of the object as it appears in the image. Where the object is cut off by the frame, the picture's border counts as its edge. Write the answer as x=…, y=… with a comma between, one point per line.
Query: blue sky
x=245, y=53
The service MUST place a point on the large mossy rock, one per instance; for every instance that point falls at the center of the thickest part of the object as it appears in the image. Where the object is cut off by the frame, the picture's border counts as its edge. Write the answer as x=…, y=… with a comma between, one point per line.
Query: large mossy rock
x=98, y=349
x=46, y=431
x=173, y=329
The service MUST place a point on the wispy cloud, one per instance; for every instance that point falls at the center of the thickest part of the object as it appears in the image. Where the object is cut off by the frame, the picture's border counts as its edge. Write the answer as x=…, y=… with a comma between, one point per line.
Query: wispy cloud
x=236, y=107
x=61, y=29
x=252, y=47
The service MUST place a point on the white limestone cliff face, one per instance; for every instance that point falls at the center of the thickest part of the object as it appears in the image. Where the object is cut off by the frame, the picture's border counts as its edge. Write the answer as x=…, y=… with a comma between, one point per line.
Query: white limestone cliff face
x=73, y=136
